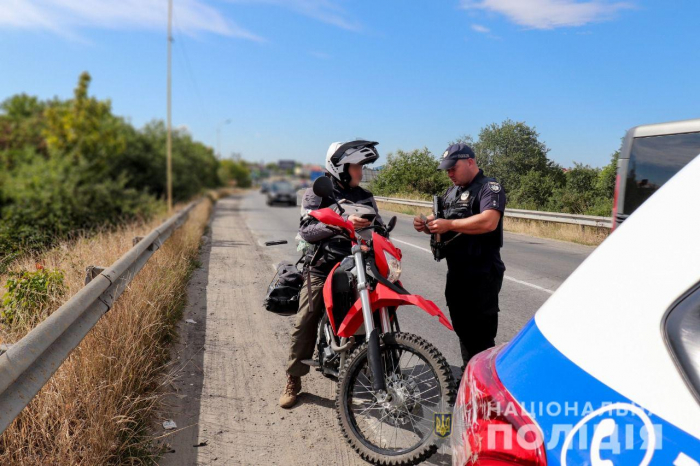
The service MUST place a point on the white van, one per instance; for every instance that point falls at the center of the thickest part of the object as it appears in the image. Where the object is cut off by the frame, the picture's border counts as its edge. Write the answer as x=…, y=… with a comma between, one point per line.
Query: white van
x=650, y=156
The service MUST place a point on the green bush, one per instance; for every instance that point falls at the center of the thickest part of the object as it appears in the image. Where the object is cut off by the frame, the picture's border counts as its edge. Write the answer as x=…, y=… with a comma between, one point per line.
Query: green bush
x=512, y=153
x=412, y=172
x=72, y=166
x=533, y=192
x=51, y=199
x=235, y=172
x=29, y=295
x=587, y=190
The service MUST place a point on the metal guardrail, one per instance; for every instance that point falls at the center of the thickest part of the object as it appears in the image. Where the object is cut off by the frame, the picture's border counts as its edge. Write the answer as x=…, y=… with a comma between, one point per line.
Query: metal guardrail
x=28, y=365
x=554, y=217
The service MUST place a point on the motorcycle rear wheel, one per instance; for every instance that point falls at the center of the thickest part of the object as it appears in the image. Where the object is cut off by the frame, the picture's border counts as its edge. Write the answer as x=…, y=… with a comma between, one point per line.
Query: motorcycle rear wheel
x=399, y=432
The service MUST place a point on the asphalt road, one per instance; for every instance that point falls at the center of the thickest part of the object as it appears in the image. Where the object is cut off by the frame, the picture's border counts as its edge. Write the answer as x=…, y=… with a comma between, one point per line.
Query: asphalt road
x=535, y=268
x=230, y=358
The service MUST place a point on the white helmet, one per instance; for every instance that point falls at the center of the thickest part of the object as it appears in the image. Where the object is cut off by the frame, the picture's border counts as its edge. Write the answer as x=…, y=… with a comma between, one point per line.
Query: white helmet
x=341, y=154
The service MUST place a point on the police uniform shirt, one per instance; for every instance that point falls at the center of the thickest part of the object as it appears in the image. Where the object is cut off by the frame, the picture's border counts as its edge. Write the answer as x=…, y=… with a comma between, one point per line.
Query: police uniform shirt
x=475, y=253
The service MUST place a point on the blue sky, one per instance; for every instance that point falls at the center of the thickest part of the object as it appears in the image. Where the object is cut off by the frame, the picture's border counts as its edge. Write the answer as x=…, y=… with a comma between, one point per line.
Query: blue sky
x=295, y=75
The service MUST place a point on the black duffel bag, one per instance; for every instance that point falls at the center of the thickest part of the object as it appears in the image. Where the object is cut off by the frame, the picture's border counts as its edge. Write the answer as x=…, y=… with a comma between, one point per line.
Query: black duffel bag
x=283, y=293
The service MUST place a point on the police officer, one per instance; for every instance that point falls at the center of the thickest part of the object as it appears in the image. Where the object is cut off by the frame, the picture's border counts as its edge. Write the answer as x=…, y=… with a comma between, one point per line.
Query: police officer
x=471, y=236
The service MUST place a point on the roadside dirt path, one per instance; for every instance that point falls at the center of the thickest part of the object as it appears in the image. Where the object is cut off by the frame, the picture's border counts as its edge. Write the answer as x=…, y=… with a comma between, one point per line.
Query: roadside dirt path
x=230, y=366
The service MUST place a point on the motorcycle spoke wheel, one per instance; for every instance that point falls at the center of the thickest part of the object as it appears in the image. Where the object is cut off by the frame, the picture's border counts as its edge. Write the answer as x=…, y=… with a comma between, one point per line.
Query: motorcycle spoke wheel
x=420, y=384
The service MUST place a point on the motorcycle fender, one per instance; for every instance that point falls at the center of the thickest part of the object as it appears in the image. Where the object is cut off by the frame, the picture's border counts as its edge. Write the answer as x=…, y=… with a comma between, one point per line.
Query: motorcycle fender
x=383, y=296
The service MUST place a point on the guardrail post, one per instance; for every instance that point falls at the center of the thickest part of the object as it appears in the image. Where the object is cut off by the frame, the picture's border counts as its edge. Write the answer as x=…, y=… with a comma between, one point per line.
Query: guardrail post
x=153, y=247
x=91, y=271
x=28, y=364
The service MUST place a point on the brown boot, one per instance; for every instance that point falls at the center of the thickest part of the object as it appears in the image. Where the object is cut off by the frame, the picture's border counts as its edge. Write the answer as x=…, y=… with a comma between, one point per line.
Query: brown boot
x=289, y=396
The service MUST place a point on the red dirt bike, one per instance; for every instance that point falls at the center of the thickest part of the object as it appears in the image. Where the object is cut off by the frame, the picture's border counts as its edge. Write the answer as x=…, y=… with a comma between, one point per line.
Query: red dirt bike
x=395, y=390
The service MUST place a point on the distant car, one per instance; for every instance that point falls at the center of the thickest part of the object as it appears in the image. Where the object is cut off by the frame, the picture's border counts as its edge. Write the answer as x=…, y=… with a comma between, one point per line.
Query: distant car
x=264, y=187
x=608, y=370
x=304, y=184
x=282, y=192
x=650, y=156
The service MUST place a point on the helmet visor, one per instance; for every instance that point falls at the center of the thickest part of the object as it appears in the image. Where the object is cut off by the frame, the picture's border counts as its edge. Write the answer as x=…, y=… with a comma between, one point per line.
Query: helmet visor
x=355, y=152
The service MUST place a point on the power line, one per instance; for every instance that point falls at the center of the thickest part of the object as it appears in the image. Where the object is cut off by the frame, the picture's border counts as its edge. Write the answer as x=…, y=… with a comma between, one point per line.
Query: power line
x=185, y=57
x=169, y=144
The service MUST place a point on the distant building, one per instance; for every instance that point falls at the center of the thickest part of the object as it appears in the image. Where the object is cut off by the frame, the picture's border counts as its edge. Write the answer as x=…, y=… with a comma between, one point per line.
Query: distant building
x=286, y=164
x=312, y=171
x=369, y=174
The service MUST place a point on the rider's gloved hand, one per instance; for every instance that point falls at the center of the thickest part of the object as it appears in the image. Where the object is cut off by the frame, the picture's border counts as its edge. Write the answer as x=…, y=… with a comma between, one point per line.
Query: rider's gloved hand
x=358, y=222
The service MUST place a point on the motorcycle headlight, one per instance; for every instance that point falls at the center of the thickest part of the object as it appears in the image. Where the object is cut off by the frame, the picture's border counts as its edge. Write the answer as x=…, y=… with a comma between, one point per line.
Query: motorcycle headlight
x=394, y=267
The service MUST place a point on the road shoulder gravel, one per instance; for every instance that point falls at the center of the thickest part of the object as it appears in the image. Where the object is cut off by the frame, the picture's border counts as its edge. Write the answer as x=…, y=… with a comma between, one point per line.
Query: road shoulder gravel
x=231, y=362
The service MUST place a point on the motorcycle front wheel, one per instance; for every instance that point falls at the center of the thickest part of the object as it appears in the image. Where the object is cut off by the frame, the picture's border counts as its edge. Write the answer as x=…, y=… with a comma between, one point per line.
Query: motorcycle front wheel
x=407, y=428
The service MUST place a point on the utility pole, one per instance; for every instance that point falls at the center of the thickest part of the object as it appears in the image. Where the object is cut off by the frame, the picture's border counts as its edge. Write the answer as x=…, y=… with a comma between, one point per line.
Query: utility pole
x=169, y=143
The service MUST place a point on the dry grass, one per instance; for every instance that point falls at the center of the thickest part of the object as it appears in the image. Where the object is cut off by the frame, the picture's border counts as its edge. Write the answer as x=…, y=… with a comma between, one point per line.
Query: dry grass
x=412, y=196
x=591, y=236
x=404, y=209
x=97, y=407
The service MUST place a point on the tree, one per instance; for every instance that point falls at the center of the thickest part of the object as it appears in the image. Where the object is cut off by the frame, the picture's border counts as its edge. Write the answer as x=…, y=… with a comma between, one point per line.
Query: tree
x=412, y=172
x=510, y=151
x=607, y=177
x=195, y=166
x=534, y=191
x=234, y=172
x=21, y=124
x=71, y=165
x=578, y=195
x=84, y=128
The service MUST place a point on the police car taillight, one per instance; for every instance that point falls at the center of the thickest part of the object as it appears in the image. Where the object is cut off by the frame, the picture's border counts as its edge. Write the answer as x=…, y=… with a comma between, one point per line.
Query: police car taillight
x=614, y=210
x=489, y=426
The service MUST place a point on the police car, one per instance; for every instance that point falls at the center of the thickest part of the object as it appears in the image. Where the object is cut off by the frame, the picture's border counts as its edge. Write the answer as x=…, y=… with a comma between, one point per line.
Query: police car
x=608, y=370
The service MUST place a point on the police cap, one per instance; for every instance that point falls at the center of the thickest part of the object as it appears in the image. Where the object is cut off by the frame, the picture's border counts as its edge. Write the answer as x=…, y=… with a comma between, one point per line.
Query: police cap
x=453, y=154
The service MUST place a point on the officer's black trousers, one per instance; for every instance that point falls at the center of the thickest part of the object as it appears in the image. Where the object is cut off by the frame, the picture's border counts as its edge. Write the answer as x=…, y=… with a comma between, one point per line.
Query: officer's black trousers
x=472, y=299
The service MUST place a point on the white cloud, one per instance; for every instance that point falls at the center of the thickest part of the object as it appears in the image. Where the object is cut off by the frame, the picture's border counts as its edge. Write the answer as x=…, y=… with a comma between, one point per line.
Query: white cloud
x=67, y=17
x=22, y=13
x=549, y=14
x=480, y=28
x=326, y=11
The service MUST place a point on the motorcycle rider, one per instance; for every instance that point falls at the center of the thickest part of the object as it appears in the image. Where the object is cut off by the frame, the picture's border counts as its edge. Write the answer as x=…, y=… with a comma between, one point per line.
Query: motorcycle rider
x=344, y=162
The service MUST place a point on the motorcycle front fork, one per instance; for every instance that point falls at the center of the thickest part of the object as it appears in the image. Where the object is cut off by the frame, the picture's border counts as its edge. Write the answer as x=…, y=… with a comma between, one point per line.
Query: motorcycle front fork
x=373, y=353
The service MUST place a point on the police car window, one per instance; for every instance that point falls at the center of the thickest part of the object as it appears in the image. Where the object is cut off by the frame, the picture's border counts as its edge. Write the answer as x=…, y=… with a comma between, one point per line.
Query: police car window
x=682, y=333
x=653, y=161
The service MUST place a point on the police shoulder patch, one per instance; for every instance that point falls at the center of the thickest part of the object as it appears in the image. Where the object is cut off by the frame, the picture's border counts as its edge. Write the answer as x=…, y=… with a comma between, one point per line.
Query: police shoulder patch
x=495, y=187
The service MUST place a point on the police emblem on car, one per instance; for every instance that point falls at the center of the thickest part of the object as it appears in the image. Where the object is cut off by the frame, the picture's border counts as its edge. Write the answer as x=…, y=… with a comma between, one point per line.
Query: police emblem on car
x=443, y=424
x=495, y=187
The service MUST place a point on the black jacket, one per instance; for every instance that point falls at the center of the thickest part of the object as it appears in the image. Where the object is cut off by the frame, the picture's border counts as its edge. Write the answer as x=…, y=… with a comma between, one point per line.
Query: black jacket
x=333, y=247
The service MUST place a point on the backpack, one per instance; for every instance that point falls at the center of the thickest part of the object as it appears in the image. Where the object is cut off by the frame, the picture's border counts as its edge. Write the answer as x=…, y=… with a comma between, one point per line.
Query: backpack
x=283, y=292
